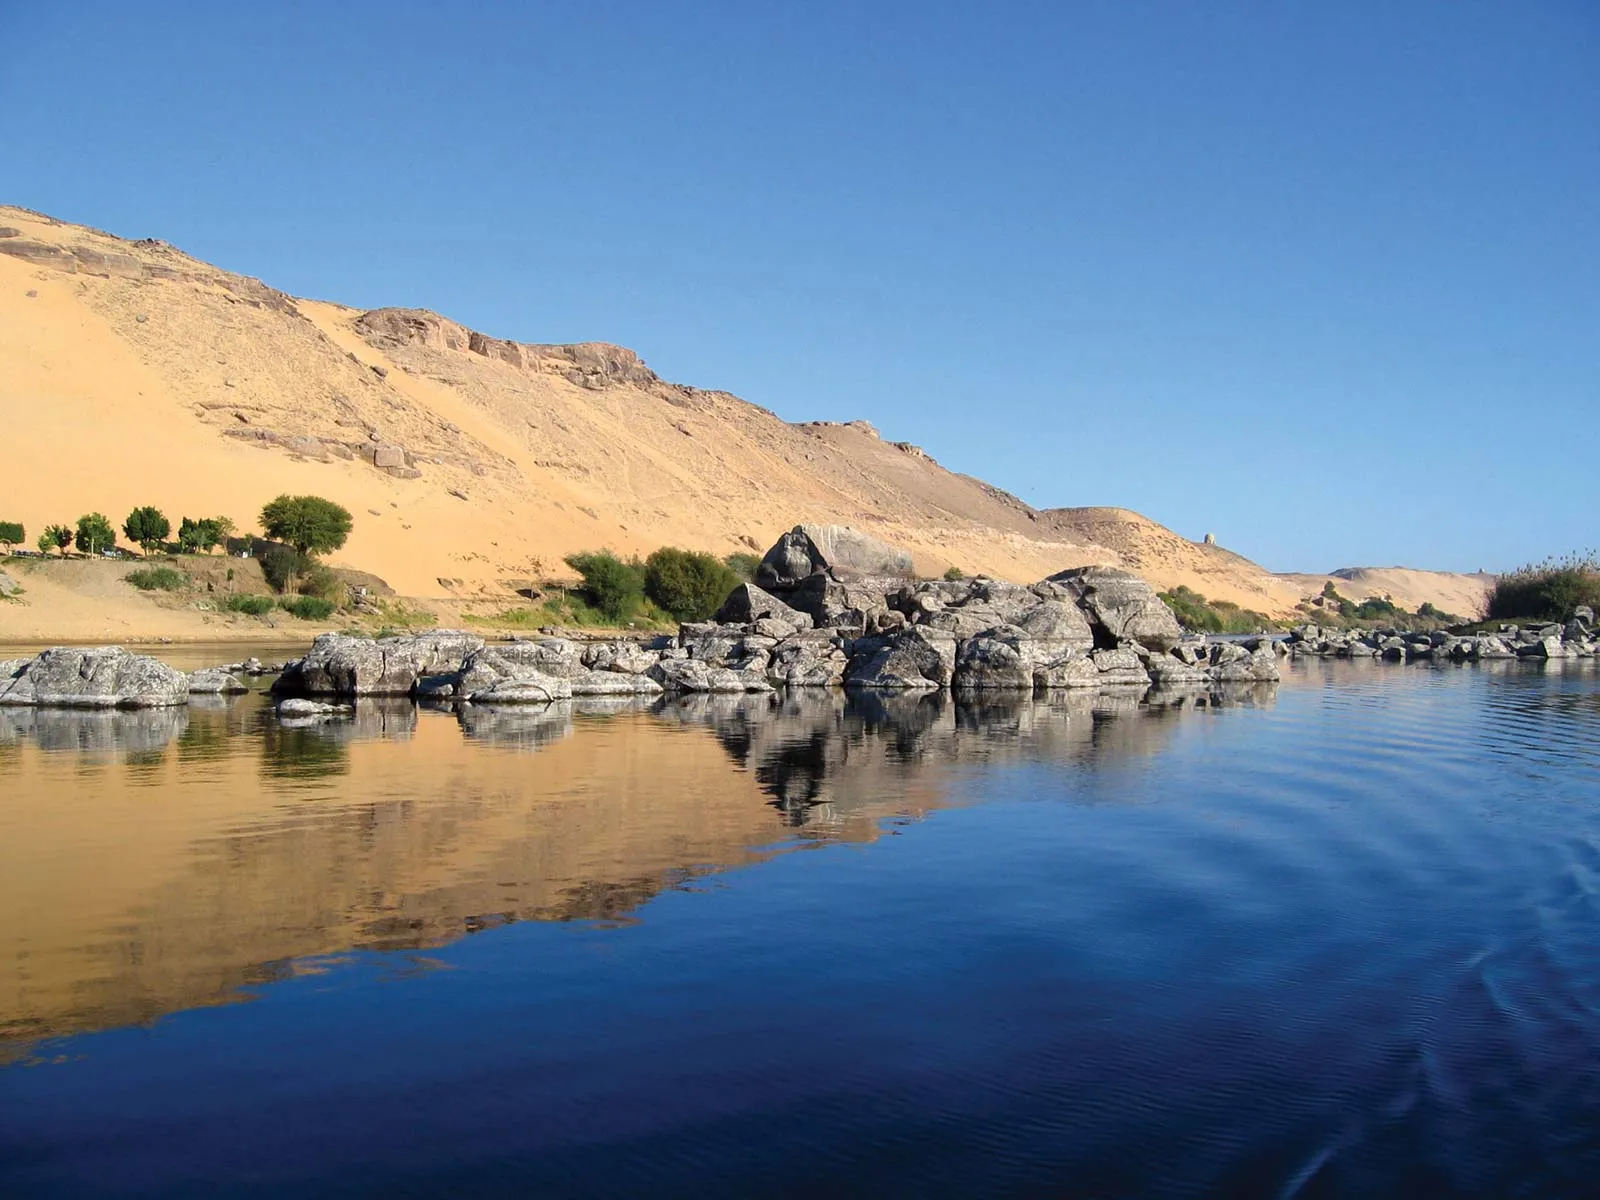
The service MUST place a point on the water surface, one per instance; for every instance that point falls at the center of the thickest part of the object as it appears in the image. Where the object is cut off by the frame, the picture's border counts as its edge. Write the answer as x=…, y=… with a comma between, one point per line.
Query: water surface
x=1333, y=938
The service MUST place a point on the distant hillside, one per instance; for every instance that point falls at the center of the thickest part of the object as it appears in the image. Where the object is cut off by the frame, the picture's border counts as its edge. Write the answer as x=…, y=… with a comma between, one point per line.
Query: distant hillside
x=135, y=374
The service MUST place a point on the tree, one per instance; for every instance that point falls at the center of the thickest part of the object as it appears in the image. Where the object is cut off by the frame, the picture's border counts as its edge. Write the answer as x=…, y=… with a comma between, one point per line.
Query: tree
x=195, y=536
x=148, y=527
x=689, y=584
x=310, y=524
x=610, y=586
x=225, y=530
x=58, y=537
x=95, y=533
x=11, y=533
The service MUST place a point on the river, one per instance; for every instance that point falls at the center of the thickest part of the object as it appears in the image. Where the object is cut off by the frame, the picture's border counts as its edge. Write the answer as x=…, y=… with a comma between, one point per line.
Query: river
x=1334, y=937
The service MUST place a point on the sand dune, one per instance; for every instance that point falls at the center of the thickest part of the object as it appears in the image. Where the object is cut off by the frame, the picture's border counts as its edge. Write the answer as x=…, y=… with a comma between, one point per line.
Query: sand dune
x=133, y=374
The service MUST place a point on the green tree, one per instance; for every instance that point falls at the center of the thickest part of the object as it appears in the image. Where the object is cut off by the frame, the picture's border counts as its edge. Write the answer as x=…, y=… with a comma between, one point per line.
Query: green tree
x=195, y=536
x=225, y=530
x=148, y=527
x=310, y=524
x=689, y=584
x=12, y=534
x=281, y=565
x=610, y=586
x=744, y=564
x=59, y=536
x=95, y=533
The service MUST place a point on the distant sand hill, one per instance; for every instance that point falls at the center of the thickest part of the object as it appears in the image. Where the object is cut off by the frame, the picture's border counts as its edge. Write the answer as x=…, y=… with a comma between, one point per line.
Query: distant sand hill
x=133, y=374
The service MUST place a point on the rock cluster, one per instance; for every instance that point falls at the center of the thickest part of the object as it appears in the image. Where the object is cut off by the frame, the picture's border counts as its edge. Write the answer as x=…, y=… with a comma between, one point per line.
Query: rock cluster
x=840, y=610
x=1576, y=638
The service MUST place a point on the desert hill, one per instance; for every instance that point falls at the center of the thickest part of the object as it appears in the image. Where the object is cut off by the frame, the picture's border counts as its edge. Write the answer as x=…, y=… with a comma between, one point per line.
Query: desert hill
x=131, y=373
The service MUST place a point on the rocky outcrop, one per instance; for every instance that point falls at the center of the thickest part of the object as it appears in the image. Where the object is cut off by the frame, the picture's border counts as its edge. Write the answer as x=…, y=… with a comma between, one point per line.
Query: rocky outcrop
x=749, y=605
x=1122, y=607
x=1576, y=638
x=99, y=677
x=918, y=658
x=8, y=586
x=834, y=550
x=341, y=665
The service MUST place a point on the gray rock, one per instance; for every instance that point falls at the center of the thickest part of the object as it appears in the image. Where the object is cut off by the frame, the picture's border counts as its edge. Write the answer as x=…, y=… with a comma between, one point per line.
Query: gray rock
x=8, y=585
x=916, y=658
x=1075, y=671
x=527, y=688
x=999, y=659
x=835, y=550
x=613, y=683
x=98, y=677
x=341, y=665
x=1122, y=607
x=693, y=675
x=748, y=604
x=813, y=658
x=212, y=681
x=298, y=708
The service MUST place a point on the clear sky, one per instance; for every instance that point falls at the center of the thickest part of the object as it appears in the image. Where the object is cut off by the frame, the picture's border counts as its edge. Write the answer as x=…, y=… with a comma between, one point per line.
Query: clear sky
x=1321, y=278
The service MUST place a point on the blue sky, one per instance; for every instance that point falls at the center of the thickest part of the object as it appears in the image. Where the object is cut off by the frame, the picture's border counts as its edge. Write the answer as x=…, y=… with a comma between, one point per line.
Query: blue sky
x=1322, y=279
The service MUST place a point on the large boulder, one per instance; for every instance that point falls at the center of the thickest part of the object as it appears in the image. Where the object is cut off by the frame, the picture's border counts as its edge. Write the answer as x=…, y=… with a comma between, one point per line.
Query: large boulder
x=913, y=659
x=94, y=677
x=613, y=683
x=213, y=681
x=811, y=658
x=545, y=665
x=341, y=665
x=835, y=550
x=999, y=659
x=747, y=604
x=1122, y=607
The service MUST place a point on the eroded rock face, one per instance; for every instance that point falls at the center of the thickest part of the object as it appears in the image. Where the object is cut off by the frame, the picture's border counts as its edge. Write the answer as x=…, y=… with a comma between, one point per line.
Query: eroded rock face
x=341, y=665
x=96, y=677
x=1120, y=606
x=8, y=585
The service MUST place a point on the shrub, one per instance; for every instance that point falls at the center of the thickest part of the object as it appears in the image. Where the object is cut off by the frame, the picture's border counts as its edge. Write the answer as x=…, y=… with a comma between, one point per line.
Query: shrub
x=1547, y=591
x=95, y=533
x=310, y=524
x=743, y=564
x=157, y=579
x=307, y=608
x=57, y=537
x=1199, y=615
x=147, y=527
x=954, y=575
x=281, y=564
x=689, y=584
x=323, y=584
x=12, y=534
x=612, y=587
x=255, y=606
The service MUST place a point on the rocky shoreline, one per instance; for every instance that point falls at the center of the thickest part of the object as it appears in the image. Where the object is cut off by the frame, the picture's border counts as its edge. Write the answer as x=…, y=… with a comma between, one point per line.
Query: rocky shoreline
x=831, y=608
x=1577, y=638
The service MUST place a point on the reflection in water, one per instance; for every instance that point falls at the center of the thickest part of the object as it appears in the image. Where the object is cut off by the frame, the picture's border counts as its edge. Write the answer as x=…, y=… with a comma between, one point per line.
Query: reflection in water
x=390, y=828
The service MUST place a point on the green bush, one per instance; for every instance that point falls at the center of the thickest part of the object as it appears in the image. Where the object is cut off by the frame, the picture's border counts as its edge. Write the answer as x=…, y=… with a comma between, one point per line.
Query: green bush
x=610, y=586
x=157, y=579
x=1199, y=615
x=281, y=565
x=1547, y=591
x=689, y=584
x=12, y=534
x=307, y=608
x=322, y=583
x=954, y=575
x=255, y=606
x=743, y=564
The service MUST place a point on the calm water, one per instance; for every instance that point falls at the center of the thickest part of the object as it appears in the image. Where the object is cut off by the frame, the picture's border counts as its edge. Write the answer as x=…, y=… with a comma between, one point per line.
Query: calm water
x=1335, y=938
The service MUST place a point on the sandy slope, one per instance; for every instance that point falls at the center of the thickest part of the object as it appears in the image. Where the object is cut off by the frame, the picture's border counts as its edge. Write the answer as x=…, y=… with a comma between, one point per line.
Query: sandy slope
x=133, y=374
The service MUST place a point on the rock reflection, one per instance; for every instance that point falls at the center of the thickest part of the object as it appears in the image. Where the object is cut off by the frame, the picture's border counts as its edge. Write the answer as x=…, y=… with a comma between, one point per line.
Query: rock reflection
x=94, y=731
x=393, y=829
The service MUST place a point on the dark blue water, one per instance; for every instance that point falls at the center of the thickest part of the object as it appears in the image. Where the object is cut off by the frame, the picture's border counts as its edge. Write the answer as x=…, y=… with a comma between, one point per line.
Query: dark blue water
x=1340, y=940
